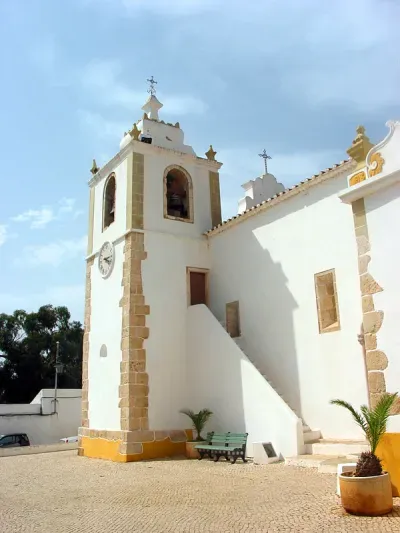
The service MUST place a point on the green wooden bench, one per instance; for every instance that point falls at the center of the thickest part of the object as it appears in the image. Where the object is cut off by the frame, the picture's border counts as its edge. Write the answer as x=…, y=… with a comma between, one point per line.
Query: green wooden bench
x=232, y=446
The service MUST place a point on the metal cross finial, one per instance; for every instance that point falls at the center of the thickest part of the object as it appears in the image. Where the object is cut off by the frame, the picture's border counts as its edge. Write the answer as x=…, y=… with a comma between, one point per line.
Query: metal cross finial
x=265, y=156
x=152, y=88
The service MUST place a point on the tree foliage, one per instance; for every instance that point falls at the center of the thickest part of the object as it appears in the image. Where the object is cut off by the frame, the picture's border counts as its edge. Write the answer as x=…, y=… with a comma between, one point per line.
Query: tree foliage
x=28, y=351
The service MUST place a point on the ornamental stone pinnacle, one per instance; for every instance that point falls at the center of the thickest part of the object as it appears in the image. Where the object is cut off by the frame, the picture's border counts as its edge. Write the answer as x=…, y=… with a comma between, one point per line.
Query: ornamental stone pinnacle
x=135, y=132
x=211, y=154
x=360, y=147
x=94, y=168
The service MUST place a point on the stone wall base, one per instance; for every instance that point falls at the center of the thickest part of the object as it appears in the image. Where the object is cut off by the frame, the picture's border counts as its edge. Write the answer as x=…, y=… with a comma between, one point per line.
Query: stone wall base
x=127, y=446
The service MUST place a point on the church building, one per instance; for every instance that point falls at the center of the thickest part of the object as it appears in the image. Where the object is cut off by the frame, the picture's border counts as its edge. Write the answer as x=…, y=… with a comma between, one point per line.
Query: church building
x=263, y=318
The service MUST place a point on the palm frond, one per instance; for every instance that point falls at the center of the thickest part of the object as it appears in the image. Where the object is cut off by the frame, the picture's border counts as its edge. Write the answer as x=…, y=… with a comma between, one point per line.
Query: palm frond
x=188, y=412
x=358, y=418
x=199, y=420
x=373, y=422
x=379, y=418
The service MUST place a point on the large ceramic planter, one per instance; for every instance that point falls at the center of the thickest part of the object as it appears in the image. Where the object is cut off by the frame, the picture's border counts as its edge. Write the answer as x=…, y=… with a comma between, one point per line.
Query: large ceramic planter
x=368, y=496
x=191, y=452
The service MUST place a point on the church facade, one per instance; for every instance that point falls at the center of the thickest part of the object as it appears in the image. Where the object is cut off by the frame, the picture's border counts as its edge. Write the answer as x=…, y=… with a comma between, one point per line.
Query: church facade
x=263, y=318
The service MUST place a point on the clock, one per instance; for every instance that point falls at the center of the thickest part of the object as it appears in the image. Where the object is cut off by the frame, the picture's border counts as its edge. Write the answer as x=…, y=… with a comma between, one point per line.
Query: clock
x=106, y=259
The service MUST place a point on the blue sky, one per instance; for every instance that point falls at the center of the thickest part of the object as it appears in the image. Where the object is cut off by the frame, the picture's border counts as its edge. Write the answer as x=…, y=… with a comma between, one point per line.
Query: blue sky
x=293, y=77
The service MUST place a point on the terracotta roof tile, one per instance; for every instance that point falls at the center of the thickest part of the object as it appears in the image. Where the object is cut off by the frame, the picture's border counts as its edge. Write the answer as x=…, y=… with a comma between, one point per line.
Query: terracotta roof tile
x=286, y=191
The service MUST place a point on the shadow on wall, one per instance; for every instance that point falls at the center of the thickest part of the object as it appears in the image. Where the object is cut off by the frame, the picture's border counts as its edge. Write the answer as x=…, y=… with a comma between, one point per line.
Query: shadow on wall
x=266, y=311
x=243, y=269
x=222, y=379
x=267, y=319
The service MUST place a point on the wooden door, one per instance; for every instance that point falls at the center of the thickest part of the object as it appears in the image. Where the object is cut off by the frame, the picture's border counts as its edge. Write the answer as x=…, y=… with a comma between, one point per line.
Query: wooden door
x=198, y=291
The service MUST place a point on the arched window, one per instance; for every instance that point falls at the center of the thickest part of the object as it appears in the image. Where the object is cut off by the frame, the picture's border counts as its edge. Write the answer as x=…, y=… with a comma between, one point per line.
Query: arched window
x=178, y=194
x=109, y=201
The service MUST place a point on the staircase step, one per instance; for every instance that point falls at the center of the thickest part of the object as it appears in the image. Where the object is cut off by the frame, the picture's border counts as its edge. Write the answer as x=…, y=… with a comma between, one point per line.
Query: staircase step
x=326, y=464
x=336, y=448
x=311, y=437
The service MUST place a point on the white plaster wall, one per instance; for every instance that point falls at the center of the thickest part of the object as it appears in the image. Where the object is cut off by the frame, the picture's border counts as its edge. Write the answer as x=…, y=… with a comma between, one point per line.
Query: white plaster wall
x=165, y=290
x=118, y=227
x=382, y=209
x=258, y=190
x=165, y=136
x=268, y=263
x=221, y=378
x=45, y=428
x=105, y=328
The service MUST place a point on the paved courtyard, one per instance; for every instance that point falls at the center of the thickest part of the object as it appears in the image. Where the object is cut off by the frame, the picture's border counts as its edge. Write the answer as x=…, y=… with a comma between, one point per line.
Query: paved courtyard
x=61, y=492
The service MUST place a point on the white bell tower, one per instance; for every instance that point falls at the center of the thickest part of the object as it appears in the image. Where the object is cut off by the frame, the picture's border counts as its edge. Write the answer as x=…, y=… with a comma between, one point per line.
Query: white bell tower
x=147, y=261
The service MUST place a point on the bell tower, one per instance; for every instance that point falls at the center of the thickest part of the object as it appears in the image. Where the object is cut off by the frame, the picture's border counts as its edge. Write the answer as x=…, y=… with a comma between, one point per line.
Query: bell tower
x=147, y=260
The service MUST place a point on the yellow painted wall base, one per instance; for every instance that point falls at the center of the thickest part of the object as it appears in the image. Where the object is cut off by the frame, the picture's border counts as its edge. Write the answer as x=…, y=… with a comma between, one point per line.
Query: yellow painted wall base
x=158, y=449
x=99, y=448
x=389, y=451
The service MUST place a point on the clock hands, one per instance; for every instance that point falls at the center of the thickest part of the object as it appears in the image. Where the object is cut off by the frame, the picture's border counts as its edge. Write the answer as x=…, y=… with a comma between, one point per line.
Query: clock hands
x=106, y=259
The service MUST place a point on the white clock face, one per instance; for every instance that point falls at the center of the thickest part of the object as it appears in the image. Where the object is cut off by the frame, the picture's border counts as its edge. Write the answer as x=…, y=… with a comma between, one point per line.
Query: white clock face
x=106, y=259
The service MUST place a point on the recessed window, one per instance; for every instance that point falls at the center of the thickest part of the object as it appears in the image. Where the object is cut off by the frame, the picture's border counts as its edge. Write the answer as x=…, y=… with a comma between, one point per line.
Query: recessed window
x=232, y=319
x=327, y=301
x=109, y=202
x=197, y=286
x=178, y=194
x=103, y=350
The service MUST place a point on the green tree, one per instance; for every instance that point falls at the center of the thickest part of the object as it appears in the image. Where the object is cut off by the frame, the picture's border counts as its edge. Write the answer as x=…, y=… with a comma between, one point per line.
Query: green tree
x=28, y=350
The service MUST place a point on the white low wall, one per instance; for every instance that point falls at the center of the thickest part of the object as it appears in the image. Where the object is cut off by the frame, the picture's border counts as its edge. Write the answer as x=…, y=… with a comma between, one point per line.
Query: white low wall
x=221, y=378
x=38, y=419
x=12, y=409
x=44, y=448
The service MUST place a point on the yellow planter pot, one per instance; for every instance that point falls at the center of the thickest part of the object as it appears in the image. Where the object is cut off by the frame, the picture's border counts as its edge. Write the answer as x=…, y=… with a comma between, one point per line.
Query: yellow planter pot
x=368, y=496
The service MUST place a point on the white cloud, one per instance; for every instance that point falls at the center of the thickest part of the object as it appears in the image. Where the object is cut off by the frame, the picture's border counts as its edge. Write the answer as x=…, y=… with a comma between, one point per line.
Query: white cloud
x=52, y=254
x=3, y=234
x=102, y=79
x=323, y=53
x=68, y=205
x=36, y=218
x=40, y=218
x=182, y=105
x=96, y=124
x=340, y=53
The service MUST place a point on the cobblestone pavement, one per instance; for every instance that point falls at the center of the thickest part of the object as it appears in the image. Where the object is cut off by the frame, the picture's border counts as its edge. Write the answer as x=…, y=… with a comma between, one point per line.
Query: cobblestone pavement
x=61, y=492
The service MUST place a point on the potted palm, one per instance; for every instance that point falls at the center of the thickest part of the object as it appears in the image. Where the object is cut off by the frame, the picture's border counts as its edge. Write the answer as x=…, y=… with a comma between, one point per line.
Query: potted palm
x=367, y=490
x=199, y=420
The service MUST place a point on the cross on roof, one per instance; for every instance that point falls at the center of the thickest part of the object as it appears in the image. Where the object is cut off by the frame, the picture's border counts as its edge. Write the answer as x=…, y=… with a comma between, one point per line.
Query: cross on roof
x=265, y=156
x=152, y=88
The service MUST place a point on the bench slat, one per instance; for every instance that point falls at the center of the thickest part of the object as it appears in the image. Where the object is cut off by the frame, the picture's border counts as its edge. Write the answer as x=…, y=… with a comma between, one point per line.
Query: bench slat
x=219, y=448
x=228, y=440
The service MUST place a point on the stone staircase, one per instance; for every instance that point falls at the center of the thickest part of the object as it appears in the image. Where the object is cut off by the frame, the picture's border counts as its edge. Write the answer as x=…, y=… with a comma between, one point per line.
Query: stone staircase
x=324, y=454
x=310, y=436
